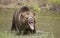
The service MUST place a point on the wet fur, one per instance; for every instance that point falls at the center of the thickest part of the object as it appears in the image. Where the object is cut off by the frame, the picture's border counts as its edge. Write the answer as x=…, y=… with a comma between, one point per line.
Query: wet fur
x=17, y=24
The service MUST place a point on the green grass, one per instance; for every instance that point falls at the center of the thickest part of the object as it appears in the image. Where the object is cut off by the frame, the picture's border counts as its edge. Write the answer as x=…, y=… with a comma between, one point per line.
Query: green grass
x=54, y=1
x=47, y=22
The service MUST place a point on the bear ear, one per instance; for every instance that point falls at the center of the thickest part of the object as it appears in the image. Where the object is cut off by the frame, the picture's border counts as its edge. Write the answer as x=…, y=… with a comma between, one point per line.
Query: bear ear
x=27, y=13
x=22, y=15
x=34, y=14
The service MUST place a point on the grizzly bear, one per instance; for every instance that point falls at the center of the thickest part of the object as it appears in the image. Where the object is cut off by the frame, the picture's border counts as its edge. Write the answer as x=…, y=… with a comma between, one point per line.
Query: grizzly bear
x=24, y=21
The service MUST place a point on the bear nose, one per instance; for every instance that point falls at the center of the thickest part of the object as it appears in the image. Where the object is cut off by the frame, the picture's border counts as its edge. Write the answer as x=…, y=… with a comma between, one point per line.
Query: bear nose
x=30, y=18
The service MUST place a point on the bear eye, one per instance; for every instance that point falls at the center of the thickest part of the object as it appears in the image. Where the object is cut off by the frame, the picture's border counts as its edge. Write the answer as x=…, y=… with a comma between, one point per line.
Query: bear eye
x=26, y=18
x=27, y=13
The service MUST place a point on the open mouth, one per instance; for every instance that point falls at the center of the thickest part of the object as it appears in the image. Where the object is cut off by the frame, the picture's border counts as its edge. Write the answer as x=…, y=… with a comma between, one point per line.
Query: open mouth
x=31, y=24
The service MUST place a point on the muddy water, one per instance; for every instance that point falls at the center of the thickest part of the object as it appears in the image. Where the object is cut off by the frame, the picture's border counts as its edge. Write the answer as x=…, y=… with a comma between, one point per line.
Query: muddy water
x=46, y=26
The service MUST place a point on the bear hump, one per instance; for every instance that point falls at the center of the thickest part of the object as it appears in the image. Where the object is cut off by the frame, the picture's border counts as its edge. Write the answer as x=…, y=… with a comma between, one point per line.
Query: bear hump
x=23, y=9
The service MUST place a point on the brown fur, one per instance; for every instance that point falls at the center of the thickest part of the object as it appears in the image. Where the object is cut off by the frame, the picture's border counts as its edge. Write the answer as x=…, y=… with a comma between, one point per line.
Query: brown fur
x=19, y=22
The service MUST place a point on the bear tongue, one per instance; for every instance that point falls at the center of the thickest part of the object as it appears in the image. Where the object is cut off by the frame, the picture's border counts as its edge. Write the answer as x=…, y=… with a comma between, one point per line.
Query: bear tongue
x=31, y=24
